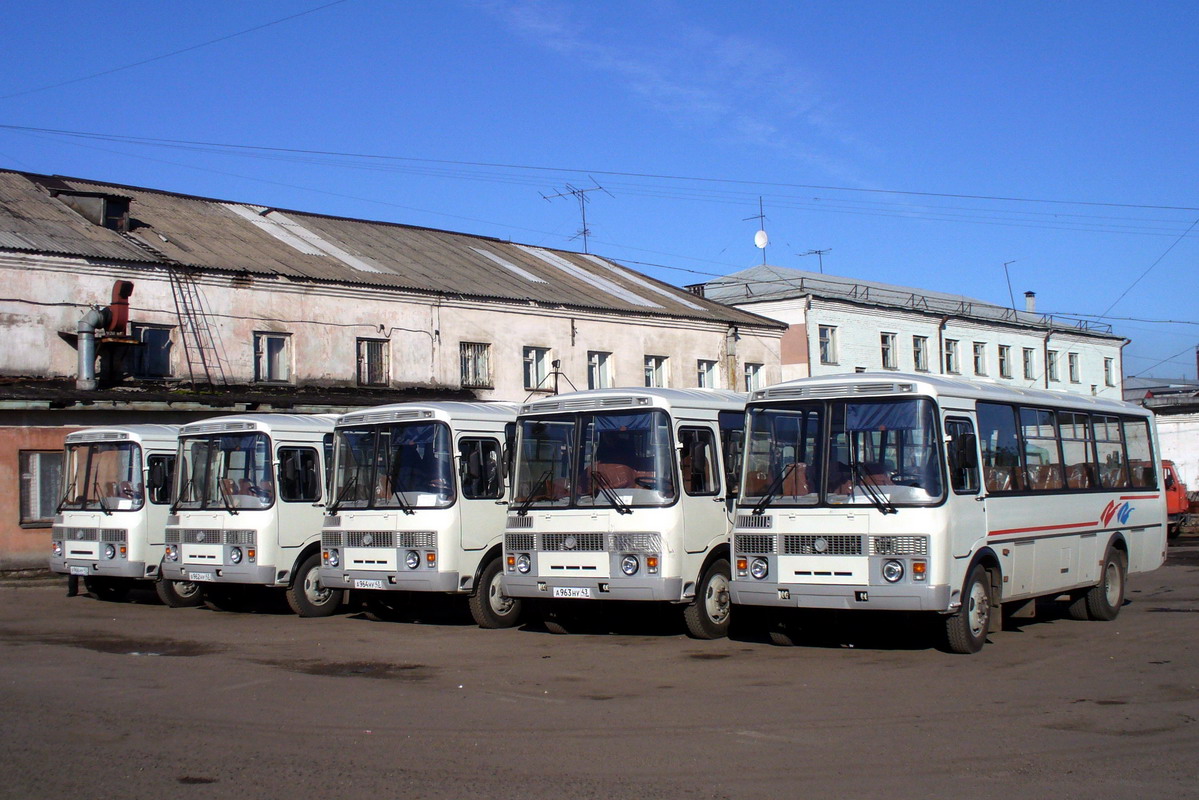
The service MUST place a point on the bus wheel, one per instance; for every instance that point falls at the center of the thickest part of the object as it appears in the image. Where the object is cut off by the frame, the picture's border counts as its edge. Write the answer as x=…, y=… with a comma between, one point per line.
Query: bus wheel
x=306, y=596
x=178, y=594
x=707, y=616
x=384, y=606
x=111, y=590
x=557, y=620
x=489, y=606
x=1105, y=598
x=966, y=630
x=230, y=597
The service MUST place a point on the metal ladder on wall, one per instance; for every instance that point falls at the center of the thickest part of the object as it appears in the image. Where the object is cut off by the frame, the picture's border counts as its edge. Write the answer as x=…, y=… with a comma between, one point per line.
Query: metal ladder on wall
x=202, y=353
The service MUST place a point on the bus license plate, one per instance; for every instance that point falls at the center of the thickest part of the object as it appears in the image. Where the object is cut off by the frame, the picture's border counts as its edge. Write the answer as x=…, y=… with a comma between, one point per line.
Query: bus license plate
x=368, y=583
x=571, y=591
x=200, y=577
x=79, y=571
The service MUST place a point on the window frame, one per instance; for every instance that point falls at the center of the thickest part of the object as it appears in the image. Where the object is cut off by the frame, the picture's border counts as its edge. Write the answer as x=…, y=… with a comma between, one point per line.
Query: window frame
x=753, y=376
x=362, y=354
x=42, y=481
x=536, y=362
x=920, y=353
x=1030, y=363
x=705, y=373
x=952, y=363
x=1072, y=367
x=136, y=366
x=1005, y=360
x=979, y=354
x=472, y=353
x=826, y=341
x=655, y=372
x=262, y=358
x=888, y=350
x=599, y=373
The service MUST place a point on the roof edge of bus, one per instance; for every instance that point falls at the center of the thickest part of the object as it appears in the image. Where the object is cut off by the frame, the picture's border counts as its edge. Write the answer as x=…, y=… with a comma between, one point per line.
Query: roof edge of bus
x=463, y=409
x=271, y=421
x=140, y=430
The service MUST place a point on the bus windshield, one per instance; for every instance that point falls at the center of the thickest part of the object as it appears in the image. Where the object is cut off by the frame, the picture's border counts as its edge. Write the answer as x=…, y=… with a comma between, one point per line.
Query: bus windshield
x=401, y=465
x=878, y=452
x=619, y=459
x=230, y=471
x=103, y=476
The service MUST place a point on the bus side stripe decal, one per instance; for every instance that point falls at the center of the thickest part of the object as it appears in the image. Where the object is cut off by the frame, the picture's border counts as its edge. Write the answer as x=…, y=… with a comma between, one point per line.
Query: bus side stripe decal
x=1045, y=528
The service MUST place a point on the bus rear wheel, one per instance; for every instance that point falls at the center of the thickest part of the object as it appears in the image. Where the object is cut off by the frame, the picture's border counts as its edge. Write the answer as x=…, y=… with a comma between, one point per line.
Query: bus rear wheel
x=178, y=594
x=966, y=630
x=1105, y=598
x=306, y=596
x=489, y=606
x=708, y=615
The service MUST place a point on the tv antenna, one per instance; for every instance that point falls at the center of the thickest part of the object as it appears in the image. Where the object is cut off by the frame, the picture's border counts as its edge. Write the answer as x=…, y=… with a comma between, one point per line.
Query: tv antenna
x=581, y=196
x=760, y=238
x=819, y=256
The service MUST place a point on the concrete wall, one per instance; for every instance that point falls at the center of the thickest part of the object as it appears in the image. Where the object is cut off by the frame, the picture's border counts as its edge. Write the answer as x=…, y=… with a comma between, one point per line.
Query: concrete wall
x=1179, y=437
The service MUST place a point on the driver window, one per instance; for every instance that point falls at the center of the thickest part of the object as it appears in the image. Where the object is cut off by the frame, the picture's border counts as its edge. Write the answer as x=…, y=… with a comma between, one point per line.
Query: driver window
x=299, y=475
x=697, y=450
x=963, y=468
x=479, y=465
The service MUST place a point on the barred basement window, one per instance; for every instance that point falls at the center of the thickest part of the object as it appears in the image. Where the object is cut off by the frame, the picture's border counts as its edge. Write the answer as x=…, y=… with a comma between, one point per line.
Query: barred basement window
x=475, y=361
x=373, y=362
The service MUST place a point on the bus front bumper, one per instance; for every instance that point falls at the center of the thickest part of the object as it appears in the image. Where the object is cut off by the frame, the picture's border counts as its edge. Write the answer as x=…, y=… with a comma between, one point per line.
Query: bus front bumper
x=224, y=573
x=87, y=568
x=622, y=588
x=899, y=597
x=416, y=580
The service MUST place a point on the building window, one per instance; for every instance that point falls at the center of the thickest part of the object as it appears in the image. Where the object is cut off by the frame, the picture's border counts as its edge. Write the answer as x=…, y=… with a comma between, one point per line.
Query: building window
x=272, y=357
x=920, y=353
x=1005, y=361
x=1051, y=364
x=599, y=375
x=705, y=374
x=1030, y=364
x=372, y=362
x=753, y=376
x=41, y=485
x=1072, y=365
x=887, y=343
x=980, y=358
x=1109, y=372
x=951, y=357
x=828, y=344
x=655, y=371
x=537, y=367
x=474, y=359
x=152, y=359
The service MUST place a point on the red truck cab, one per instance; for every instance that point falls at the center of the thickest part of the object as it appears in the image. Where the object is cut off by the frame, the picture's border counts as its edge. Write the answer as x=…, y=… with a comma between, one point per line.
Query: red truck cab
x=1177, y=503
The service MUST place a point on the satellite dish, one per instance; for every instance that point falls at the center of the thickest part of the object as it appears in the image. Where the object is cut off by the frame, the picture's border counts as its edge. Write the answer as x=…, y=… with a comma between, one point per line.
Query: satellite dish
x=761, y=240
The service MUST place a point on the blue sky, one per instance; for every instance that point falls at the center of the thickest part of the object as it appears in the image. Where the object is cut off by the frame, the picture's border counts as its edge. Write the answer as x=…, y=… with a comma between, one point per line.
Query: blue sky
x=923, y=144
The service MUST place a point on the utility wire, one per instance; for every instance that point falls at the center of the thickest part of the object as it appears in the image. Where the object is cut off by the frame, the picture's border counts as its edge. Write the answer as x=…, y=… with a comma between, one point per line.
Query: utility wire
x=1150, y=269
x=180, y=51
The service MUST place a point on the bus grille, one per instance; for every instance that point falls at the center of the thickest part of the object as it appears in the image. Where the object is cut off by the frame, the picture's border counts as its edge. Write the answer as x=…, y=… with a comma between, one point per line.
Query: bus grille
x=240, y=537
x=519, y=541
x=754, y=543
x=81, y=534
x=760, y=521
x=832, y=545
x=330, y=538
x=898, y=545
x=202, y=536
x=117, y=535
x=637, y=542
x=416, y=539
x=173, y=536
x=370, y=539
x=572, y=541
x=520, y=522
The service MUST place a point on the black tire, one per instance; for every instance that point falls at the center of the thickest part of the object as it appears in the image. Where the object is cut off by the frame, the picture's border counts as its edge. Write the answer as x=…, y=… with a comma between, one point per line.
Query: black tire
x=708, y=615
x=306, y=596
x=385, y=606
x=966, y=630
x=1078, y=607
x=556, y=620
x=1105, y=598
x=178, y=594
x=230, y=598
x=110, y=590
x=1174, y=531
x=489, y=606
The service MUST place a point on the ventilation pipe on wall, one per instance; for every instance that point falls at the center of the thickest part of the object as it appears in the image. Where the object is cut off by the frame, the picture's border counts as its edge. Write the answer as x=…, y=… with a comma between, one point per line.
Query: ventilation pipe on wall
x=113, y=318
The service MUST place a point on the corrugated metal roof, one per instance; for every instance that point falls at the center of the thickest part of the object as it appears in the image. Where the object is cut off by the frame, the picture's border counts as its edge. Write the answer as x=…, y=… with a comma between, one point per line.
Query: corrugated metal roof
x=239, y=237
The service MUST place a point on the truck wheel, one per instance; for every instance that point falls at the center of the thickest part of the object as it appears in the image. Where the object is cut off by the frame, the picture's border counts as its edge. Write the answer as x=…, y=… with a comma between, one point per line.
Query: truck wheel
x=489, y=606
x=1105, y=598
x=707, y=616
x=966, y=630
x=110, y=590
x=178, y=594
x=306, y=596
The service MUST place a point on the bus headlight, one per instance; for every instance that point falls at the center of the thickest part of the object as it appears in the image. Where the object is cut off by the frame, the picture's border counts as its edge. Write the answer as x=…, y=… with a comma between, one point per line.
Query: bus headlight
x=629, y=565
x=893, y=571
x=56, y=549
x=412, y=559
x=110, y=551
x=759, y=568
x=332, y=558
x=235, y=555
x=524, y=563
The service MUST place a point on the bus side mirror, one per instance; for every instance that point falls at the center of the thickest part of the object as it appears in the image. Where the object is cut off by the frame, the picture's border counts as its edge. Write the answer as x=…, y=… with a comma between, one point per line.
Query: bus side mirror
x=158, y=475
x=967, y=451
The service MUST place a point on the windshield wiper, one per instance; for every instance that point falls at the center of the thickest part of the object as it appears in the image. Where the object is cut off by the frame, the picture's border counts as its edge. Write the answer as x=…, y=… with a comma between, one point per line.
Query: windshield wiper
x=880, y=500
x=773, y=489
x=523, y=508
x=100, y=499
x=606, y=487
x=405, y=506
x=187, y=484
x=336, y=504
x=65, y=495
x=225, y=498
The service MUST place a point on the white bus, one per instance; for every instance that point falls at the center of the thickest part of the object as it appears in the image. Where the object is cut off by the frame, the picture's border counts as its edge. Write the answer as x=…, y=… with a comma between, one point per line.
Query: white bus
x=418, y=506
x=921, y=493
x=112, y=516
x=620, y=494
x=247, y=505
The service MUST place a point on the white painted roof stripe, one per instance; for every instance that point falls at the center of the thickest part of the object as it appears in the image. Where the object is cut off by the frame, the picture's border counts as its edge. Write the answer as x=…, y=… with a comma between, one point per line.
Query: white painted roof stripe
x=637, y=279
x=297, y=236
x=254, y=216
x=508, y=265
x=604, y=285
x=325, y=245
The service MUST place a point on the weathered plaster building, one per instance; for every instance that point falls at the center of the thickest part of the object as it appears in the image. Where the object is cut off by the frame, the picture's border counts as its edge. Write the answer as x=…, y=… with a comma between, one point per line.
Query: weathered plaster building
x=839, y=324
x=236, y=307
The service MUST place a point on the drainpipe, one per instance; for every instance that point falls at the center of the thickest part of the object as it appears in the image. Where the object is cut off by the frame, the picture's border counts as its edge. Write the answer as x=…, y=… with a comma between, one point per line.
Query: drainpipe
x=86, y=329
x=941, y=345
x=1045, y=352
